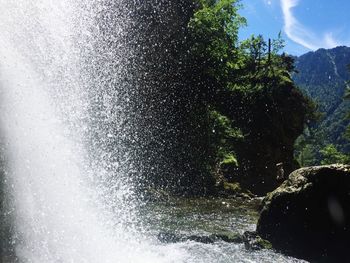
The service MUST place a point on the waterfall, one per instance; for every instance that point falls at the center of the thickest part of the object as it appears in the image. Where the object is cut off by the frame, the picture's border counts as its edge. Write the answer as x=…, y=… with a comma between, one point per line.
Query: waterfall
x=64, y=134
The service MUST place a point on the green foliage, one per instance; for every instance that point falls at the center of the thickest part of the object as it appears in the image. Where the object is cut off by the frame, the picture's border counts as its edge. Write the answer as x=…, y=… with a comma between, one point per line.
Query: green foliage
x=230, y=159
x=305, y=151
x=307, y=156
x=323, y=76
x=347, y=92
x=223, y=136
x=262, y=62
x=347, y=97
x=331, y=155
x=214, y=31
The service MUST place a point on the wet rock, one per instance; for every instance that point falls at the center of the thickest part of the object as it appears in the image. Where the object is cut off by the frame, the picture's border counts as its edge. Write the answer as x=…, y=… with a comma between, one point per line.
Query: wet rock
x=308, y=216
x=228, y=237
x=233, y=190
x=252, y=241
x=166, y=237
x=201, y=239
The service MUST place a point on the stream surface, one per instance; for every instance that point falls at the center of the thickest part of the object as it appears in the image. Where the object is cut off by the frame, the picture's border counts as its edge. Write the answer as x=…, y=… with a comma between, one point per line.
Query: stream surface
x=204, y=217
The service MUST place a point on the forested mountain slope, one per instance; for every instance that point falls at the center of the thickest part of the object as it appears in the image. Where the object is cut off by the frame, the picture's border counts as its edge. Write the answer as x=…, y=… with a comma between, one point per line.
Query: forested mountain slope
x=323, y=75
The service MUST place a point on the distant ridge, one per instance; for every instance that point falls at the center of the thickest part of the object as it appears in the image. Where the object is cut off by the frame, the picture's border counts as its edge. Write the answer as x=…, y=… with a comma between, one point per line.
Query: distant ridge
x=322, y=75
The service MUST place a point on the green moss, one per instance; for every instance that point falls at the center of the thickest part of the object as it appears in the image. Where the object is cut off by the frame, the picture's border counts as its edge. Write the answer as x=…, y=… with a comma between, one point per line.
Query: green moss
x=229, y=237
x=230, y=159
x=263, y=243
x=252, y=241
x=232, y=187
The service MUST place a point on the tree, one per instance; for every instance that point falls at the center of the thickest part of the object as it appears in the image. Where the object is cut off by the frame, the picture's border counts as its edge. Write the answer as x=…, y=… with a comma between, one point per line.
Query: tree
x=347, y=97
x=249, y=84
x=214, y=42
x=331, y=155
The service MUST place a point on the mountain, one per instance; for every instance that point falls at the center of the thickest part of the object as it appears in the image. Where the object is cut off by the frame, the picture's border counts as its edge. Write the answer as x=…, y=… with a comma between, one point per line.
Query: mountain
x=322, y=75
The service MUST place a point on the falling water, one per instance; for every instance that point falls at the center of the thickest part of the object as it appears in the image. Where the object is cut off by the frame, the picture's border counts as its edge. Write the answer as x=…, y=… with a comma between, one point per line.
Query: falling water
x=67, y=167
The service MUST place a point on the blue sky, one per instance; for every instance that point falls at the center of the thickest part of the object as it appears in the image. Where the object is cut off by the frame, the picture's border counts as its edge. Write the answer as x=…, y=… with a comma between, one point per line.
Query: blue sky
x=305, y=24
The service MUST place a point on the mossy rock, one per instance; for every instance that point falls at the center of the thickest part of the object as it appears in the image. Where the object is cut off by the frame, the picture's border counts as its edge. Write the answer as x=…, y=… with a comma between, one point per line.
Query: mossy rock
x=232, y=187
x=235, y=189
x=252, y=241
x=230, y=160
x=229, y=237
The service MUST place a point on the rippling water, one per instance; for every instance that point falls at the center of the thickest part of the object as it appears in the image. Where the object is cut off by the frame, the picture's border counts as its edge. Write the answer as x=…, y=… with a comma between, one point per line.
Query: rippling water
x=203, y=217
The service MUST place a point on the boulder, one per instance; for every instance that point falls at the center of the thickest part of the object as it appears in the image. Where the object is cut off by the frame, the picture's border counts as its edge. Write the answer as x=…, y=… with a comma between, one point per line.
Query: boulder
x=308, y=216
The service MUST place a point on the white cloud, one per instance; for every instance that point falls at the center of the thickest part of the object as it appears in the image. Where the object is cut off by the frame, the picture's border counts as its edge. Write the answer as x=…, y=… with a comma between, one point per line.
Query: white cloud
x=330, y=41
x=298, y=33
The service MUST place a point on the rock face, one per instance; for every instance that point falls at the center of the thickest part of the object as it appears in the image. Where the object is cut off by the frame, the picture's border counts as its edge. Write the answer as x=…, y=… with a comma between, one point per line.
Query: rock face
x=308, y=216
x=276, y=120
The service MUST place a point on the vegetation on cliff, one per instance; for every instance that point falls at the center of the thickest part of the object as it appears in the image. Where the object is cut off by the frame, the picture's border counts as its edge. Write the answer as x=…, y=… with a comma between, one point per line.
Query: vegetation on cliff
x=255, y=112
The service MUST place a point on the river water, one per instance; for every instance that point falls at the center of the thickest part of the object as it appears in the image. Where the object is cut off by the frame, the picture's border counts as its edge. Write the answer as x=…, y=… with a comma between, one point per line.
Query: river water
x=202, y=217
